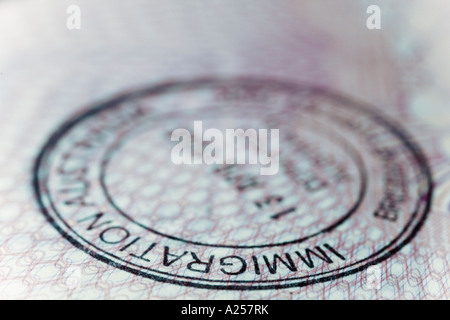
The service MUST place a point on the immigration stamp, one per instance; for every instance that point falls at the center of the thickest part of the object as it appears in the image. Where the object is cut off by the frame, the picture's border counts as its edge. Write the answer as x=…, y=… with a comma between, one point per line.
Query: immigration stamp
x=350, y=190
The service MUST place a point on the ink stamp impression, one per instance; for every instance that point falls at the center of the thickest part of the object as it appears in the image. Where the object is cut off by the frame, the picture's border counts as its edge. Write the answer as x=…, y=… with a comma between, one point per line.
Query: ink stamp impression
x=352, y=187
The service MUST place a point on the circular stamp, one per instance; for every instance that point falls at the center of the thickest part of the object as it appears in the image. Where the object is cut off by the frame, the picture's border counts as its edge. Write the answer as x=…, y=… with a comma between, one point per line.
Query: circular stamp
x=352, y=188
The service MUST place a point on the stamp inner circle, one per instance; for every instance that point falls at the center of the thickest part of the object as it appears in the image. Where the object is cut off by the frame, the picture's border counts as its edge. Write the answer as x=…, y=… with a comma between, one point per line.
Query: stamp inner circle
x=230, y=205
